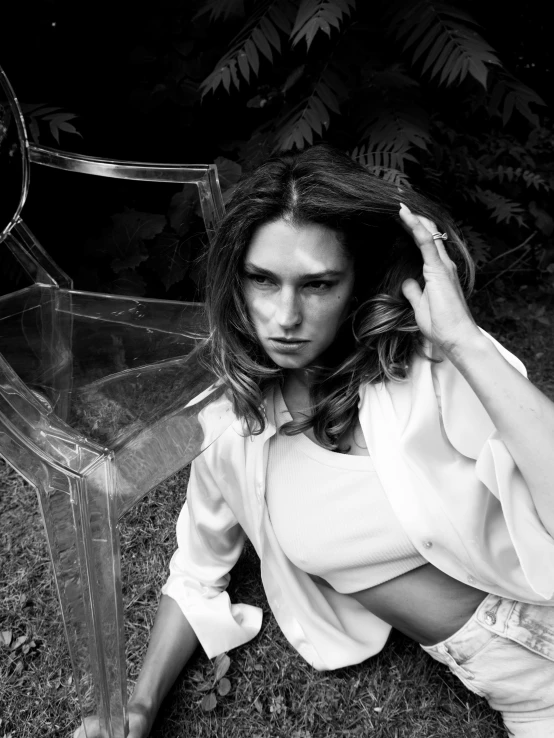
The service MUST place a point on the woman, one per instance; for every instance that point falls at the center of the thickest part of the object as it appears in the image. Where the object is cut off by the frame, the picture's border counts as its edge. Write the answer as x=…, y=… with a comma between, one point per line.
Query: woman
x=389, y=461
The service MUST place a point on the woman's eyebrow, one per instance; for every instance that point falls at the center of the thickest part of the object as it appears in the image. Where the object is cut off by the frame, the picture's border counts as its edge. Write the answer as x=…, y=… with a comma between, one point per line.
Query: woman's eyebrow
x=315, y=276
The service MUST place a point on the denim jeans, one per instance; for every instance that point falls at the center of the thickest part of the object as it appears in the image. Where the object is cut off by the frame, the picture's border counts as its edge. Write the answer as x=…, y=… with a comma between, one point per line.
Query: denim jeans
x=505, y=653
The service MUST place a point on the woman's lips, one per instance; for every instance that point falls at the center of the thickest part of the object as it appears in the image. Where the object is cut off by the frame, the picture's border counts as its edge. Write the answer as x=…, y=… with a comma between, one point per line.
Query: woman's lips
x=286, y=346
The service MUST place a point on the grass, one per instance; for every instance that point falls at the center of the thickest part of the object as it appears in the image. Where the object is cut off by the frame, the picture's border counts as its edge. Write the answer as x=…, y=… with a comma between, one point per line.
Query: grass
x=401, y=692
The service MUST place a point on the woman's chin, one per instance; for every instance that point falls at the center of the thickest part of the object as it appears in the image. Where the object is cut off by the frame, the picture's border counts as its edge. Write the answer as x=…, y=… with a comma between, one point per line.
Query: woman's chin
x=290, y=361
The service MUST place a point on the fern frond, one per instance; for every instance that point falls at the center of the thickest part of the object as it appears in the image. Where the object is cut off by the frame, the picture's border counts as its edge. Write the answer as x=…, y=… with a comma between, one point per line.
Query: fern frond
x=319, y=15
x=386, y=160
x=460, y=159
x=394, y=123
x=478, y=246
x=311, y=115
x=502, y=209
x=509, y=174
x=223, y=9
x=397, y=120
x=509, y=94
x=445, y=40
x=259, y=35
x=507, y=147
x=391, y=78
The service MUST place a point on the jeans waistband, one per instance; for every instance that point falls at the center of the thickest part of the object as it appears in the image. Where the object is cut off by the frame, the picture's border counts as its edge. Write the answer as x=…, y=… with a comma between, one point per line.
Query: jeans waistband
x=532, y=626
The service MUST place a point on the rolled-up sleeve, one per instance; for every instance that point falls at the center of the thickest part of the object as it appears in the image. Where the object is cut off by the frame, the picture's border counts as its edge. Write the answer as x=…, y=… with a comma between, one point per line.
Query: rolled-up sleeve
x=210, y=541
x=533, y=544
x=472, y=432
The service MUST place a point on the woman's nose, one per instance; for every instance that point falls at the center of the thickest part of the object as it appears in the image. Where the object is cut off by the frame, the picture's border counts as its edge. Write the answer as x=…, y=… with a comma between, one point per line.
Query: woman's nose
x=289, y=314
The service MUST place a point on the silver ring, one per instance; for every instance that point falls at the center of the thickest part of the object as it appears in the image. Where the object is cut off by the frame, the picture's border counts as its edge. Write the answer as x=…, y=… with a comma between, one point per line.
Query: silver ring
x=437, y=235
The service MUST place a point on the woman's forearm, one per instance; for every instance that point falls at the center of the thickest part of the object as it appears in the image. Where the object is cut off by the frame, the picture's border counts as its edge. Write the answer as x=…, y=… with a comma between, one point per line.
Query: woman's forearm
x=522, y=414
x=172, y=643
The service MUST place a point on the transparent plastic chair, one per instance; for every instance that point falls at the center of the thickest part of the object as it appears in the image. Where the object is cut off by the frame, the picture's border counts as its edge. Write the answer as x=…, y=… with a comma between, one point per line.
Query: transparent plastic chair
x=99, y=403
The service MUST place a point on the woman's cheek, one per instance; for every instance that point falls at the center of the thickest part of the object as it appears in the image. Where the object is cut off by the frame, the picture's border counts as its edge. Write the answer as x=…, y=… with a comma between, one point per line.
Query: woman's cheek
x=263, y=307
x=330, y=308
x=255, y=304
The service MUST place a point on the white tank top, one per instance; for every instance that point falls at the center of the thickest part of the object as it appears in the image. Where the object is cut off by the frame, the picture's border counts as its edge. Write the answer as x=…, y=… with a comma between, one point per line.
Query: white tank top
x=330, y=513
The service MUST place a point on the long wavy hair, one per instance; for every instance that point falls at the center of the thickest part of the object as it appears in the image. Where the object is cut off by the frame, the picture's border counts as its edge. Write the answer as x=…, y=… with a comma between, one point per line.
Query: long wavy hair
x=379, y=337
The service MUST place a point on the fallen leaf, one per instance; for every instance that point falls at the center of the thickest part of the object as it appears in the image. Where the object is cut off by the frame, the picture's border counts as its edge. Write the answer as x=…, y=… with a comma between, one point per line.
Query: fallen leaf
x=222, y=664
x=19, y=642
x=224, y=687
x=6, y=637
x=209, y=701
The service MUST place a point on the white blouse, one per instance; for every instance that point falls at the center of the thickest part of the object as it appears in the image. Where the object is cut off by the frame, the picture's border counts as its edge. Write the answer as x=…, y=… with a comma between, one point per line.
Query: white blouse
x=331, y=515
x=448, y=476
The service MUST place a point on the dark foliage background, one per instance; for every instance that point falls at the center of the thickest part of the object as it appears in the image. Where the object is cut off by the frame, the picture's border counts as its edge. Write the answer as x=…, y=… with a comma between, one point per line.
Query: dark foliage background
x=452, y=98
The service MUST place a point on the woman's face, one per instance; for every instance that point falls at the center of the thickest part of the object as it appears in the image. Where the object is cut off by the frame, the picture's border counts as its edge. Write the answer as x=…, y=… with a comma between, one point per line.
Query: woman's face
x=298, y=288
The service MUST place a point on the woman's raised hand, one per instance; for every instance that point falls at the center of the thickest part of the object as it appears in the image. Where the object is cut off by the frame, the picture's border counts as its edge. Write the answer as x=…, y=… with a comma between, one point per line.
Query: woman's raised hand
x=441, y=311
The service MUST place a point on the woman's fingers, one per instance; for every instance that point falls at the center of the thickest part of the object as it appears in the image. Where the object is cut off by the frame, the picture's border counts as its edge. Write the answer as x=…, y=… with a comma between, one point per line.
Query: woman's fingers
x=421, y=228
x=139, y=725
x=412, y=292
x=90, y=728
x=438, y=242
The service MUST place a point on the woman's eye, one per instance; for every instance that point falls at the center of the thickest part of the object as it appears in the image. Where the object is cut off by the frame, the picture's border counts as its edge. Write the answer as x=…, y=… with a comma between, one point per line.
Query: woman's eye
x=319, y=286
x=264, y=281
x=258, y=278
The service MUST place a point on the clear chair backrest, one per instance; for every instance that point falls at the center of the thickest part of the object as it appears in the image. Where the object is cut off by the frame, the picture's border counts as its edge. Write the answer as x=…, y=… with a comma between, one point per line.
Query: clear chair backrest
x=14, y=158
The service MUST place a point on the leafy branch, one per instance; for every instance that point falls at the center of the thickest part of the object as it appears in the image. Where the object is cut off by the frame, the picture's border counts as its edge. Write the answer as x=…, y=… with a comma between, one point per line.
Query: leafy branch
x=445, y=40
x=509, y=94
x=57, y=119
x=259, y=35
x=503, y=210
x=312, y=114
x=385, y=159
x=511, y=174
x=393, y=123
x=221, y=9
x=319, y=15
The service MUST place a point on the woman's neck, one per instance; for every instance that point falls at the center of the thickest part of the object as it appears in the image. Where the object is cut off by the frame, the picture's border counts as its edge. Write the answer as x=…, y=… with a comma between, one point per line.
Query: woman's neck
x=298, y=378
x=296, y=392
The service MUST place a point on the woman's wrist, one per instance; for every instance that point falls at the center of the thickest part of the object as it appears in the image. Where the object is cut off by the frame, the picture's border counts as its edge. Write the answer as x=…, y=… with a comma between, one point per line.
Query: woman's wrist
x=469, y=343
x=172, y=642
x=142, y=713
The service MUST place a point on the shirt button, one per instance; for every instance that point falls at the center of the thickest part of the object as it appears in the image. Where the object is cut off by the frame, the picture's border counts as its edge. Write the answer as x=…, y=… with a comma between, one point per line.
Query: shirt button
x=471, y=580
x=427, y=544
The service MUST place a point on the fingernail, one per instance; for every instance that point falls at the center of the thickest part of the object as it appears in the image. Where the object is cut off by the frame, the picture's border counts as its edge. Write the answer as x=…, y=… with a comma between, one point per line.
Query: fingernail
x=405, y=207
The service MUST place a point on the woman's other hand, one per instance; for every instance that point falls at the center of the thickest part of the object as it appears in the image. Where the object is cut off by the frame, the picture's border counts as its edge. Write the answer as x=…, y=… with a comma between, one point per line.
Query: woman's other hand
x=441, y=311
x=140, y=725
